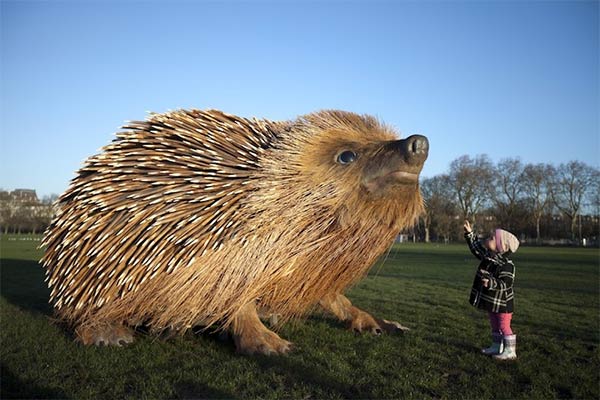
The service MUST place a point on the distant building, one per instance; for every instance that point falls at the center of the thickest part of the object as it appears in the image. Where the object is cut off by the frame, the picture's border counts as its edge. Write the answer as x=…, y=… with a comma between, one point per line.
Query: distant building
x=21, y=211
x=24, y=195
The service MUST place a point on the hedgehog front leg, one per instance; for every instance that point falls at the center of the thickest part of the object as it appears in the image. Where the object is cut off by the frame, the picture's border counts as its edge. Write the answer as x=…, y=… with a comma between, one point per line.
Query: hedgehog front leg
x=358, y=320
x=252, y=337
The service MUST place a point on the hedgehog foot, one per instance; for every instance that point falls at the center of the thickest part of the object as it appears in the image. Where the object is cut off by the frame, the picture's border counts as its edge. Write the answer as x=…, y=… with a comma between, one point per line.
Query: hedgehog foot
x=359, y=321
x=104, y=334
x=364, y=322
x=252, y=337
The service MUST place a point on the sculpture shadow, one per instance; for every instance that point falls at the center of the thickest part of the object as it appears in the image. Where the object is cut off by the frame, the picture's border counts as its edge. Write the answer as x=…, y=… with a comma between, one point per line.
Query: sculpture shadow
x=14, y=387
x=22, y=284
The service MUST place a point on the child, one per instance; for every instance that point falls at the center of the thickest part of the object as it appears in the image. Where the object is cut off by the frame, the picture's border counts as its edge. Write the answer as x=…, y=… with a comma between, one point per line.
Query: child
x=493, y=287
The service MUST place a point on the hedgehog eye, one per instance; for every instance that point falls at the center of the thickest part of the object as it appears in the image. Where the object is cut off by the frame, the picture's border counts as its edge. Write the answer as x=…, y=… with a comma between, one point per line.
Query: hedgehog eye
x=346, y=157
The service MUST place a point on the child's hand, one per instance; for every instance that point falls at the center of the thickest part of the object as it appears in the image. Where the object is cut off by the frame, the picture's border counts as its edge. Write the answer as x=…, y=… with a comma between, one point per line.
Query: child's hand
x=484, y=277
x=467, y=226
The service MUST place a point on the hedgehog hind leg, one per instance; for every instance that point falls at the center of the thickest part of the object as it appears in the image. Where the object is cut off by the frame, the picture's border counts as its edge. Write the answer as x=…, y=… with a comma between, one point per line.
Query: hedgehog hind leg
x=104, y=334
x=251, y=336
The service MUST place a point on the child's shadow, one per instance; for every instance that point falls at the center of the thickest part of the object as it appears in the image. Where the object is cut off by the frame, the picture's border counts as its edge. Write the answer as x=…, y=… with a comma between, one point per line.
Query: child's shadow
x=22, y=284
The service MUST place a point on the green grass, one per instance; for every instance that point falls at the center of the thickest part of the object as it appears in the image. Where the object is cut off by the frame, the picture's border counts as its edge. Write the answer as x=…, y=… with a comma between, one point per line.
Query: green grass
x=423, y=286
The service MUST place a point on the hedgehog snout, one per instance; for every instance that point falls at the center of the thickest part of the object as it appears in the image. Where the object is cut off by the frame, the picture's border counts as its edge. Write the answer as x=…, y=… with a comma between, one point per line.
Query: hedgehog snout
x=414, y=149
x=397, y=163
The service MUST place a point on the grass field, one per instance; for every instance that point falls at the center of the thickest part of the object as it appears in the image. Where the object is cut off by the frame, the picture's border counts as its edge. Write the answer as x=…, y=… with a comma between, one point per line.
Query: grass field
x=423, y=286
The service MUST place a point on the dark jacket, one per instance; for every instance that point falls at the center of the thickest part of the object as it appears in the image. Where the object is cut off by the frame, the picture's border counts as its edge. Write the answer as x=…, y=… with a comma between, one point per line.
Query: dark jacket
x=498, y=296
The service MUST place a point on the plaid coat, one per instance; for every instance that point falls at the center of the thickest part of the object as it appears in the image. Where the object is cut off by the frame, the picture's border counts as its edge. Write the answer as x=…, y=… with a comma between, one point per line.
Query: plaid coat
x=498, y=297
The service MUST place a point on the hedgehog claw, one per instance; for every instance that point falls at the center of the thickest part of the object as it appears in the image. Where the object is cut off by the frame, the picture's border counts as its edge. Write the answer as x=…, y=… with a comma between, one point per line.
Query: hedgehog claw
x=359, y=321
x=273, y=345
x=392, y=326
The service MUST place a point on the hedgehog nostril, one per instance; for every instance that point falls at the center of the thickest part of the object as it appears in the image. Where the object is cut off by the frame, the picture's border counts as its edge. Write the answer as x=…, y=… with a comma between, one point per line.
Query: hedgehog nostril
x=418, y=144
x=417, y=147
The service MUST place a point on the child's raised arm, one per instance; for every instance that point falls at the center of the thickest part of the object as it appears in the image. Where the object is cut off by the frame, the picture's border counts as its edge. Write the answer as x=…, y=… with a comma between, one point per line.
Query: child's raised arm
x=474, y=245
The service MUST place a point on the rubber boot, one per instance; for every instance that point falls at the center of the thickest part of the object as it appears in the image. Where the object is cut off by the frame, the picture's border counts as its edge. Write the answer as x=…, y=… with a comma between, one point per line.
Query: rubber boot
x=510, y=349
x=496, y=347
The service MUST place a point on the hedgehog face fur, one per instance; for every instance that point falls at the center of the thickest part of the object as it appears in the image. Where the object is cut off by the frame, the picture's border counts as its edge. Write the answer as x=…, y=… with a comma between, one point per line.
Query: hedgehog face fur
x=364, y=157
x=195, y=217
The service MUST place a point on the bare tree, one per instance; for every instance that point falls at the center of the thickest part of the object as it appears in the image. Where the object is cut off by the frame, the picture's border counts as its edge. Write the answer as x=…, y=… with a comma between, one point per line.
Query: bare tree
x=471, y=180
x=571, y=183
x=6, y=214
x=439, y=207
x=507, y=185
x=20, y=219
x=536, y=189
x=593, y=203
x=11, y=213
x=428, y=196
x=594, y=195
x=50, y=199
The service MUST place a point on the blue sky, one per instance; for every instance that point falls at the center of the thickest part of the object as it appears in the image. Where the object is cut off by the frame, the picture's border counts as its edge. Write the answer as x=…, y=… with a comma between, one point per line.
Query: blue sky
x=508, y=79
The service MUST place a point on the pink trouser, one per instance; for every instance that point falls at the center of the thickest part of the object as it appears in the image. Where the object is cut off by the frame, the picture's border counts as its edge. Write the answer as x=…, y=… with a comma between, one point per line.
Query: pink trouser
x=500, y=323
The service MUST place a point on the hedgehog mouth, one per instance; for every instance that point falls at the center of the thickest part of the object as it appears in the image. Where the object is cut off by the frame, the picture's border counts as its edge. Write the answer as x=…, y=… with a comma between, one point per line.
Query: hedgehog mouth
x=391, y=178
x=397, y=176
x=401, y=177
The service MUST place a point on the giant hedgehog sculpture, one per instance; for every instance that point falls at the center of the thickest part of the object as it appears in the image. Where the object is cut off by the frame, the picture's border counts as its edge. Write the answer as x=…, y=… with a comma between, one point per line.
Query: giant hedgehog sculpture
x=202, y=218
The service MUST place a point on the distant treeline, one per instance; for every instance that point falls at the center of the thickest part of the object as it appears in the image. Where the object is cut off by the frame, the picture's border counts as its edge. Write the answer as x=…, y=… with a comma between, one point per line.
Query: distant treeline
x=540, y=203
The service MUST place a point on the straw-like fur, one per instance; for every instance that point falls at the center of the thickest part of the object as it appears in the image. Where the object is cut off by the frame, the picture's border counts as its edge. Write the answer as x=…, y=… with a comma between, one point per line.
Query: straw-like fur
x=193, y=217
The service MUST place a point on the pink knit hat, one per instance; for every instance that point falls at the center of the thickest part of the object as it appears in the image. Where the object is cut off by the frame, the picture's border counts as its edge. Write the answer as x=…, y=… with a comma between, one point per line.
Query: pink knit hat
x=506, y=241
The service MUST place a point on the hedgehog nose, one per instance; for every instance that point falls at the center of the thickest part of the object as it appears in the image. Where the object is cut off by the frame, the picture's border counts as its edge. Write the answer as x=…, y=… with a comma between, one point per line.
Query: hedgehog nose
x=414, y=148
